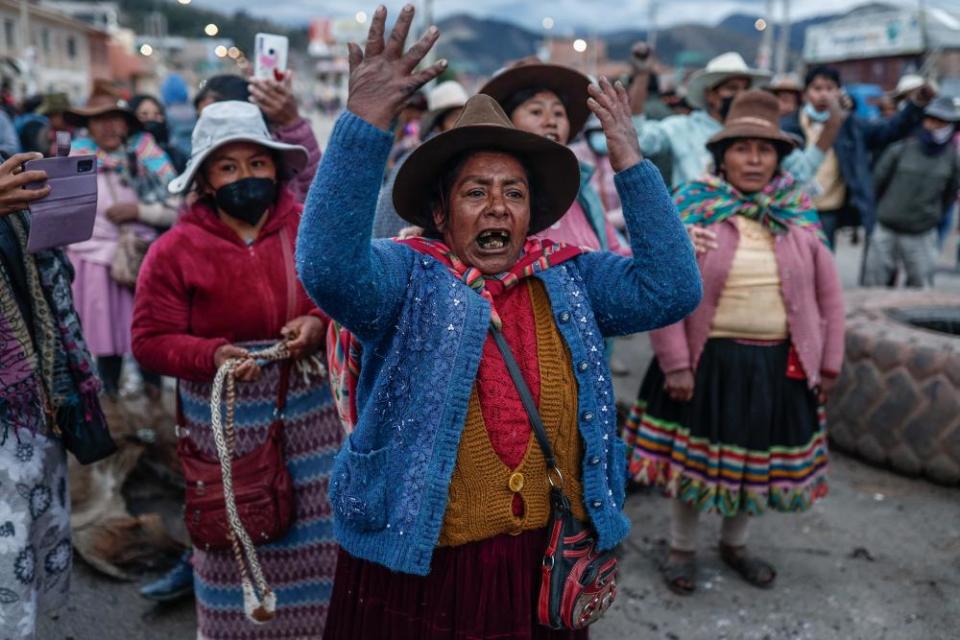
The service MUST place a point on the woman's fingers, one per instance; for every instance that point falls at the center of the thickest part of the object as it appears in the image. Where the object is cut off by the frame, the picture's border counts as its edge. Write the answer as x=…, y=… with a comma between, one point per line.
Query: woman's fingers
x=623, y=95
x=428, y=74
x=375, y=44
x=354, y=55
x=14, y=162
x=398, y=36
x=420, y=49
x=606, y=119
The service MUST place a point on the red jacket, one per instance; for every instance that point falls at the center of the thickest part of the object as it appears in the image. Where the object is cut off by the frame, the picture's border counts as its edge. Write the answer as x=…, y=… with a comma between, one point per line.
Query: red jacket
x=811, y=292
x=201, y=287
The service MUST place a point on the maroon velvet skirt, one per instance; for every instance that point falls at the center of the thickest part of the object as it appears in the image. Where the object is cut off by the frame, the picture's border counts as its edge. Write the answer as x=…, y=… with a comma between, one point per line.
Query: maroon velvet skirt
x=484, y=590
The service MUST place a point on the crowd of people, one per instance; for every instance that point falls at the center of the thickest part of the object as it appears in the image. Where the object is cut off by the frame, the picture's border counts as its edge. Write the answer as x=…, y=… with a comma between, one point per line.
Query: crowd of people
x=394, y=360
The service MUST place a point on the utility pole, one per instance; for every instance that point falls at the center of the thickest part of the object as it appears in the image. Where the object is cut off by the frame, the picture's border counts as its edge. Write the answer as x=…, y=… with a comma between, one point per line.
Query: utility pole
x=652, y=29
x=428, y=21
x=26, y=47
x=783, y=45
x=765, y=53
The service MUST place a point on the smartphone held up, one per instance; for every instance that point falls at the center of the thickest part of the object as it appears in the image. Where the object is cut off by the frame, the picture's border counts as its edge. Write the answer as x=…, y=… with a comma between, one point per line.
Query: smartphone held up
x=67, y=213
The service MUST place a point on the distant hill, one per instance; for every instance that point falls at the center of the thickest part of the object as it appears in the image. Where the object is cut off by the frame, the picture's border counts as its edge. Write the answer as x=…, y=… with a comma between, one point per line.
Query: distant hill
x=481, y=46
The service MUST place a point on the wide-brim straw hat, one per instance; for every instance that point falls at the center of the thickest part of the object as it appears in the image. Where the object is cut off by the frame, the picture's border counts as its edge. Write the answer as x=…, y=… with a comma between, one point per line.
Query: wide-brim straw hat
x=753, y=114
x=54, y=103
x=483, y=126
x=944, y=108
x=569, y=84
x=785, y=82
x=719, y=70
x=223, y=123
x=441, y=100
x=103, y=100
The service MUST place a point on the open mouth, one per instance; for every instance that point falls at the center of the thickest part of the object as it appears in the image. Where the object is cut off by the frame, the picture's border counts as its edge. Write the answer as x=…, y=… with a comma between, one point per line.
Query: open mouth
x=493, y=239
x=552, y=136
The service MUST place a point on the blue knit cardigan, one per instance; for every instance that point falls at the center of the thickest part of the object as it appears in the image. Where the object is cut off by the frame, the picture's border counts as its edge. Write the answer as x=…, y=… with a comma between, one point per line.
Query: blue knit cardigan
x=423, y=331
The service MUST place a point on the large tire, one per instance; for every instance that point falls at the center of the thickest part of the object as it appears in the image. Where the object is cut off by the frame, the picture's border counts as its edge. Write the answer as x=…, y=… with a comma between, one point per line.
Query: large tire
x=897, y=401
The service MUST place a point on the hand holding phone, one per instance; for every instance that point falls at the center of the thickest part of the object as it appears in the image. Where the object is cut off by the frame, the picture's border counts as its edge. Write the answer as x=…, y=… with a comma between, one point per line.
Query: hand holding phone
x=269, y=55
x=275, y=98
x=13, y=180
x=66, y=208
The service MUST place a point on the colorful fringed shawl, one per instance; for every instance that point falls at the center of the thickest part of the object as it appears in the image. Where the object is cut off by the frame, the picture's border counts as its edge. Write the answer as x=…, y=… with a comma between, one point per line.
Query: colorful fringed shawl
x=781, y=203
x=47, y=377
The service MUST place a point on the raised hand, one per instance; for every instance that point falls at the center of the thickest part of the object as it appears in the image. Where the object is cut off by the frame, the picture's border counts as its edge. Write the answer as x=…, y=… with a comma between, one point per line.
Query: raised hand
x=611, y=104
x=382, y=76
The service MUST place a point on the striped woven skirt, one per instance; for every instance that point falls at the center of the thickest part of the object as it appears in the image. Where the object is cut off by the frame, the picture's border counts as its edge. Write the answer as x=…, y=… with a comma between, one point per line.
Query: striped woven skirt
x=300, y=566
x=751, y=439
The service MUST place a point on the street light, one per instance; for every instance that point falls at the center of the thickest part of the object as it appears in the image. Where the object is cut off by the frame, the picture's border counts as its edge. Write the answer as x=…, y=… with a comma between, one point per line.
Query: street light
x=211, y=29
x=184, y=1
x=146, y=50
x=548, y=23
x=361, y=17
x=579, y=45
x=233, y=52
x=220, y=51
x=760, y=24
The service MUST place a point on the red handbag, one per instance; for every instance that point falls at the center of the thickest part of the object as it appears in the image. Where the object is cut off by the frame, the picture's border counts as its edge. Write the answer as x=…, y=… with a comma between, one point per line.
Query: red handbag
x=578, y=581
x=262, y=486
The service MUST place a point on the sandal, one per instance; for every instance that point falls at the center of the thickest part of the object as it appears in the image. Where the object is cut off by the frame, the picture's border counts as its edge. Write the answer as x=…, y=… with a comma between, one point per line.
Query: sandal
x=680, y=577
x=754, y=571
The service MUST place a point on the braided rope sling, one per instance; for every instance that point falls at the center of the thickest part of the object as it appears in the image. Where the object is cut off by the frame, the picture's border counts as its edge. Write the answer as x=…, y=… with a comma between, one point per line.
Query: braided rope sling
x=259, y=600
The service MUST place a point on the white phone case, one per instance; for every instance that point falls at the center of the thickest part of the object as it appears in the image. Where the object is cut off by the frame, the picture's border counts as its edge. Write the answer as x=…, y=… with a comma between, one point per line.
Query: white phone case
x=270, y=53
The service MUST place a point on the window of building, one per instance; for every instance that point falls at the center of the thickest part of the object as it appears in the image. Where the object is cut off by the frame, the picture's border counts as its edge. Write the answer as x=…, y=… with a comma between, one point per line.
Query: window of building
x=10, y=33
x=45, y=40
x=71, y=47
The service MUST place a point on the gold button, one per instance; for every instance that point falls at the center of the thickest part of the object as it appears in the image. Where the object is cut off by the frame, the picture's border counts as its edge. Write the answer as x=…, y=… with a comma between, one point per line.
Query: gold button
x=516, y=482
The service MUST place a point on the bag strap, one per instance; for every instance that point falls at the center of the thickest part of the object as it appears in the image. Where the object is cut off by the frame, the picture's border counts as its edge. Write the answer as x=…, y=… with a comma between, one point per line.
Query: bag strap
x=279, y=408
x=528, y=403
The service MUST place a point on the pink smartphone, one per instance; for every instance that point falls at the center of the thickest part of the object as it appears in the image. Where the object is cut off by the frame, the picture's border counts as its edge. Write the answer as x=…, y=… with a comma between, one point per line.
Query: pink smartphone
x=66, y=215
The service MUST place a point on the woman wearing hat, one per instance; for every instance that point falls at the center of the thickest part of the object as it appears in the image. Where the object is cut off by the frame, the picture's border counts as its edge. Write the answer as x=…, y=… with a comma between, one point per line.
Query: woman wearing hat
x=440, y=493
x=729, y=417
x=221, y=285
x=132, y=175
x=551, y=100
x=278, y=103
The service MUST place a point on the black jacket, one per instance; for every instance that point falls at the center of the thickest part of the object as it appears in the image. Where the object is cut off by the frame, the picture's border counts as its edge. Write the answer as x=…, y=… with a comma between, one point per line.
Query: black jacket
x=855, y=143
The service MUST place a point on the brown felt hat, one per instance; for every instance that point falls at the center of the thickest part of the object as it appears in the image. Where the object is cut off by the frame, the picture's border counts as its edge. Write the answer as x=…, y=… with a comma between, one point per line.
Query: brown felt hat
x=569, y=84
x=753, y=114
x=483, y=126
x=103, y=100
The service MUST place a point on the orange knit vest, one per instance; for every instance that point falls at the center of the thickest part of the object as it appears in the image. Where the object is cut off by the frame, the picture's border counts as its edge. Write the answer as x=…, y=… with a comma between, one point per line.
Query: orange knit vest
x=483, y=488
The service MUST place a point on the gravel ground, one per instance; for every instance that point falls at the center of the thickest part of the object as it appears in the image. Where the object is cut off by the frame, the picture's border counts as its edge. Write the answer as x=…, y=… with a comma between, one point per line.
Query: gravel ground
x=879, y=559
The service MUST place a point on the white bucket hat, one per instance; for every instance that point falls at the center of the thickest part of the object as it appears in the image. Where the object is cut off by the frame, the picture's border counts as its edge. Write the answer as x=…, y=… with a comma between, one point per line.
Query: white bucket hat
x=442, y=99
x=723, y=67
x=233, y=121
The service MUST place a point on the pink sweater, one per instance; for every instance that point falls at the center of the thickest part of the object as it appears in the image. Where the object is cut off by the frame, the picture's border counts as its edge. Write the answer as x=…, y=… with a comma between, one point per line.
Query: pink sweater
x=812, y=295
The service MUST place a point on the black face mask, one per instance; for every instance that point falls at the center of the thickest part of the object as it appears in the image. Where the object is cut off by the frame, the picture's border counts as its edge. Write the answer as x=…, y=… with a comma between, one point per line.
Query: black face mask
x=158, y=130
x=247, y=199
x=725, y=105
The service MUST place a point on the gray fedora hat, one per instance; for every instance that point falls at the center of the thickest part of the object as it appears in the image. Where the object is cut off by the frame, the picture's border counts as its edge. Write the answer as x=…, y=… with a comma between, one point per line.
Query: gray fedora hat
x=944, y=108
x=222, y=123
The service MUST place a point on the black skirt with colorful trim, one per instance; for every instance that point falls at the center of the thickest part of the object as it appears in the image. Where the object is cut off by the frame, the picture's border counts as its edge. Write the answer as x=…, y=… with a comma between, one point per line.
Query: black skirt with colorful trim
x=751, y=439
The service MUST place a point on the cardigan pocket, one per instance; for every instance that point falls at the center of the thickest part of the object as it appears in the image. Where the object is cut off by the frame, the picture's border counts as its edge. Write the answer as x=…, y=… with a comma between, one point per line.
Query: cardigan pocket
x=359, y=488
